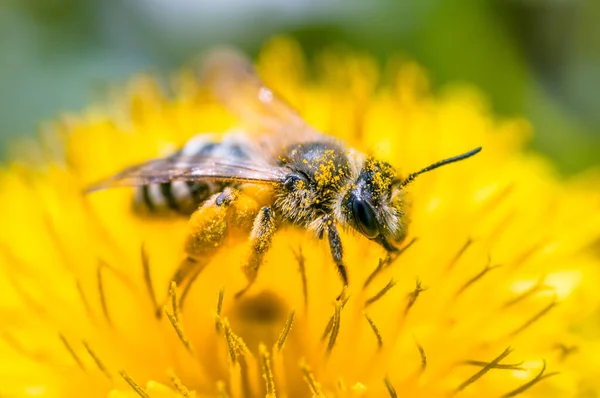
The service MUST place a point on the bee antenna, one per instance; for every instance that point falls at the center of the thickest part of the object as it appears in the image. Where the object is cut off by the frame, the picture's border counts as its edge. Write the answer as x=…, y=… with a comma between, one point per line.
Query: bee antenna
x=444, y=162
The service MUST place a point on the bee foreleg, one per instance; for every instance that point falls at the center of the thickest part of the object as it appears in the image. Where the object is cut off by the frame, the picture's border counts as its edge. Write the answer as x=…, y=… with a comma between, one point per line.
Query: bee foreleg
x=335, y=244
x=263, y=229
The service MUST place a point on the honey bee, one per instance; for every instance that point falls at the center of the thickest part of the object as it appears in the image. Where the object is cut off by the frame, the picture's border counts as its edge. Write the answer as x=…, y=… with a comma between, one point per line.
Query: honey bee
x=305, y=178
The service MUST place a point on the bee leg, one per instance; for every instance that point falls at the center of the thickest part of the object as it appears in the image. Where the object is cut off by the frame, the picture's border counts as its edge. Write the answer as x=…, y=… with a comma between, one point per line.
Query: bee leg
x=263, y=229
x=335, y=244
x=208, y=229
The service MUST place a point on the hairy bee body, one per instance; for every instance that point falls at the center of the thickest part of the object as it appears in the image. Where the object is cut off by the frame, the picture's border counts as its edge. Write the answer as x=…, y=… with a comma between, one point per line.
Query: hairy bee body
x=278, y=170
x=184, y=197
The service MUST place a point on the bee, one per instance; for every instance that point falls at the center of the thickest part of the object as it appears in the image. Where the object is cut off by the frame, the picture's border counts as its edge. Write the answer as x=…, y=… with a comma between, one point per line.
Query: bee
x=278, y=170
x=184, y=197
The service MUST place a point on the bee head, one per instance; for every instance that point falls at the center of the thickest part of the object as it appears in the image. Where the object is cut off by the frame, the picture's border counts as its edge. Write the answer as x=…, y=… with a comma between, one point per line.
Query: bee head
x=372, y=205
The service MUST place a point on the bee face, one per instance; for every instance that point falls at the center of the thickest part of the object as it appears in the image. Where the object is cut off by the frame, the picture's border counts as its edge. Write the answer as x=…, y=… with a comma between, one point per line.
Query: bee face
x=373, y=205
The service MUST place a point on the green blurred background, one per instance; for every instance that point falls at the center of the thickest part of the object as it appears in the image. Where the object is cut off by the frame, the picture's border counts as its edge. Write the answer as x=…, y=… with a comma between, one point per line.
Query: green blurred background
x=535, y=58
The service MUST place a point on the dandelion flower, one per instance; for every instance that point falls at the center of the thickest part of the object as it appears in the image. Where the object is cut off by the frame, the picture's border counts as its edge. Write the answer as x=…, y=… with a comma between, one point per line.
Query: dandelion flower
x=484, y=299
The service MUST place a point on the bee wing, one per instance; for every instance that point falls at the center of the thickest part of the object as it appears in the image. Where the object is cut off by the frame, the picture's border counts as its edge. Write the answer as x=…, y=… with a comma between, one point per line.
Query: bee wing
x=192, y=168
x=232, y=80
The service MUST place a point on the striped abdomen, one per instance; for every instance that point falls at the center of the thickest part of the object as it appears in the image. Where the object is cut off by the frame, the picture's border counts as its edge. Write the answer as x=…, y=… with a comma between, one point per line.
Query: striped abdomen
x=184, y=197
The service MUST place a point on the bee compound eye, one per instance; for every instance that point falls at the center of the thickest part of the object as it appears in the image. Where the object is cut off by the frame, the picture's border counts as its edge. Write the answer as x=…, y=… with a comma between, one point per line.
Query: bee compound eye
x=365, y=218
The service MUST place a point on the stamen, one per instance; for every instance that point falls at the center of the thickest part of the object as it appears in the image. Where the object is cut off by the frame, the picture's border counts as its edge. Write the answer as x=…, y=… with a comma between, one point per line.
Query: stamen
x=534, y=318
x=267, y=371
x=148, y=277
x=387, y=262
x=286, y=330
x=515, y=366
x=218, y=325
x=474, y=279
x=423, y=355
x=309, y=378
x=412, y=296
x=381, y=293
x=483, y=370
x=235, y=343
x=178, y=329
x=176, y=382
x=84, y=300
x=376, y=271
x=135, y=386
x=526, y=255
x=565, y=350
x=540, y=376
x=501, y=227
x=335, y=329
x=97, y=360
x=173, y=296
x=26, y=297
x=375, y=330
x=119, y=274
x=302, y=268
x=220, y=300
x=14, y=344
x=327, y=329
x=231, y=343
x=101, y=292
x=458, y=255
x=69, y=348
x=390, y=387
x=497, y=198
x=539, y=286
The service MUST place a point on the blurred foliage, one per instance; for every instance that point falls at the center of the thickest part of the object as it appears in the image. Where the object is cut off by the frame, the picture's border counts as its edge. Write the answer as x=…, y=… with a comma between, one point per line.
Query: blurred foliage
x=536, y=58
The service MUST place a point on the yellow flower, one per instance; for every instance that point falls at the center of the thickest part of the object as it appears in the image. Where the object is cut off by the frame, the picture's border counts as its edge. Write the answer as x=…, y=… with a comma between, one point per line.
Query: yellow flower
x=485, y=299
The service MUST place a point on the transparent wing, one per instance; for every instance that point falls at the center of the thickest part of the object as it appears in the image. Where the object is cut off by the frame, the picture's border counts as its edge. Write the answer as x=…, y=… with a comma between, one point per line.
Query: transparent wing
x=233, y=81
x=192, y=168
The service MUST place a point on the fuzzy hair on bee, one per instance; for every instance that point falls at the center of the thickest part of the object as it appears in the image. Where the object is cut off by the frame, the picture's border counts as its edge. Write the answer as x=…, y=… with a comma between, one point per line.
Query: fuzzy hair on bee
x=305, y=178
